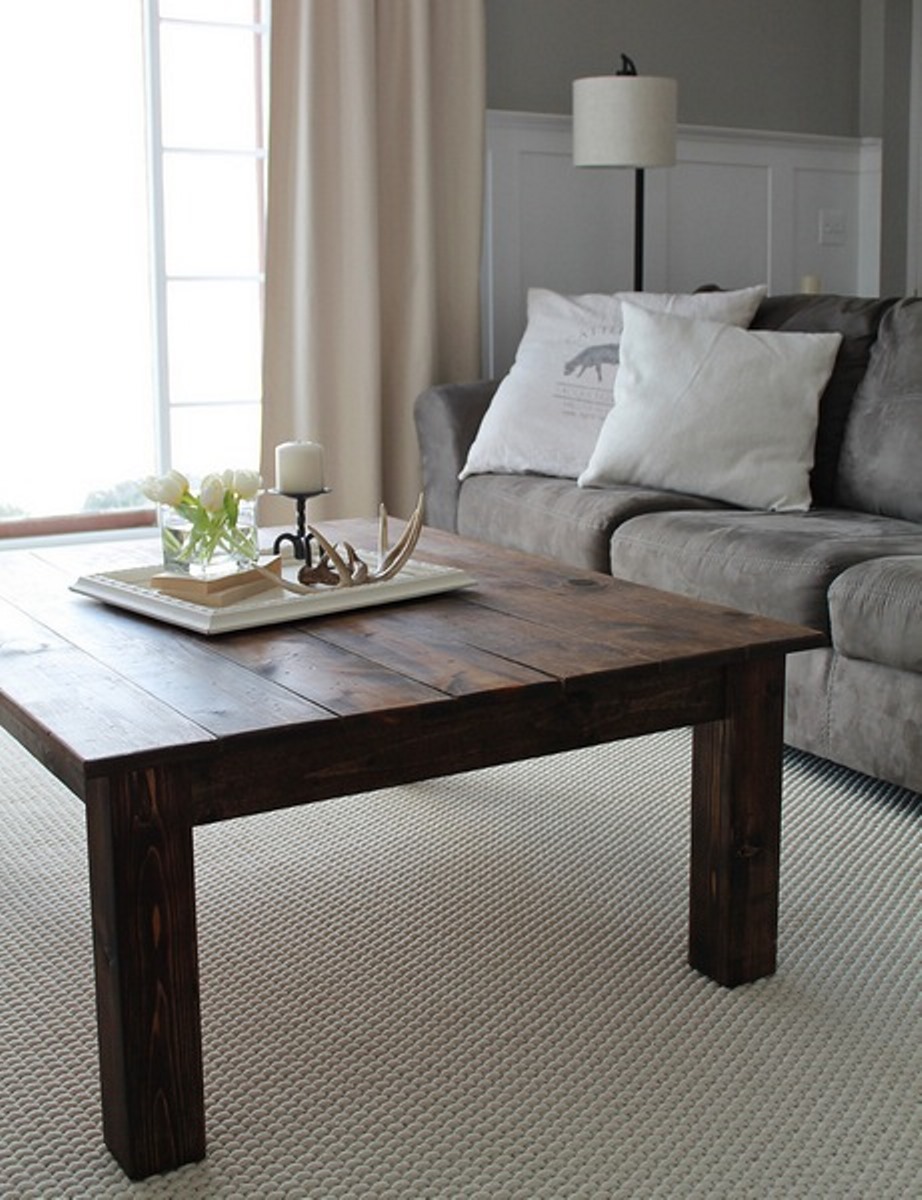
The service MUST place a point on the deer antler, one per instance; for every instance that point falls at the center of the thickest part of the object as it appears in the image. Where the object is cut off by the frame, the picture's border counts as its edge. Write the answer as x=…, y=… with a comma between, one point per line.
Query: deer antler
x=332, y=567
x=342, y=565
x=398, y=555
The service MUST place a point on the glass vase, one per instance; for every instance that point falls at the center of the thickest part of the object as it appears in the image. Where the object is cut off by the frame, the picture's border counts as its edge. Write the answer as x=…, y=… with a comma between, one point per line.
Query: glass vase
x=210, y=546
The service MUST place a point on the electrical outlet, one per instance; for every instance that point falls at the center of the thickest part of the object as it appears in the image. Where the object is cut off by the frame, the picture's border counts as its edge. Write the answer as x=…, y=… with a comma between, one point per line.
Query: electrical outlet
x=832, y=227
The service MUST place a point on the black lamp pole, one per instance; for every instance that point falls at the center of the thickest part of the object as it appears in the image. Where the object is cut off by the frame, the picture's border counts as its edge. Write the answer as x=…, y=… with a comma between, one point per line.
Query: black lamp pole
x=638, y=229
x=628, y=68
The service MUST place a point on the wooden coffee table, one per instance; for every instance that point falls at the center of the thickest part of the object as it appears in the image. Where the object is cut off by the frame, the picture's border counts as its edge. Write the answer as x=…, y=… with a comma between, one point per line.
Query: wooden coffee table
x=158, y=730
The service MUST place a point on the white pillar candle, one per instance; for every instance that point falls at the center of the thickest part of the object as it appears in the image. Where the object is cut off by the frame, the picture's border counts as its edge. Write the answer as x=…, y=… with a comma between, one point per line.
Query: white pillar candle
x=811, y=285
x=299, y=467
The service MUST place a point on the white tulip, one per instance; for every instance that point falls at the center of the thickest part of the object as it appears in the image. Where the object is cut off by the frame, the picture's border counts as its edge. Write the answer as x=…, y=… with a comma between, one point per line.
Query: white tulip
x=175, y=486
x=211, y=494
x=165, y=489
x=246, y=484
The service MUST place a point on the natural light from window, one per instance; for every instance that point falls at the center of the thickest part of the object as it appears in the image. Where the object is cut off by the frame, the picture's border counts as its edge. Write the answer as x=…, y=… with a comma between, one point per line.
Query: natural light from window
x=131, y=315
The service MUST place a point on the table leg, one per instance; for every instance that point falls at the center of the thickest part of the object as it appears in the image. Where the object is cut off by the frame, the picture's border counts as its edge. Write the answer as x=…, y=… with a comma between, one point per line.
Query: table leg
x=736, y=828
x=147, y=993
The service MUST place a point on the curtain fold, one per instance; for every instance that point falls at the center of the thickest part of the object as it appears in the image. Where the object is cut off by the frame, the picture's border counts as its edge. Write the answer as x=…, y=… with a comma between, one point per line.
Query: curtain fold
x=374, y=233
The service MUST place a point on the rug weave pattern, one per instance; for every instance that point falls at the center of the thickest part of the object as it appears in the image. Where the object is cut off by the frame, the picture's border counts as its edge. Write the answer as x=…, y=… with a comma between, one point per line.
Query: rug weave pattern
x=476, y=987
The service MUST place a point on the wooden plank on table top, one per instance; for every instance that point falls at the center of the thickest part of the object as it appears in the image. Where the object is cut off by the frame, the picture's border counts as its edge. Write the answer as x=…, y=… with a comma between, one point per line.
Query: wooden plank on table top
x=569, y=635
x=542, y=590
x=342, y=682
x=178, y=667
x=662, y=623
x=455, y=624
x=439, y=659
x=70, y=710
x=557, y=598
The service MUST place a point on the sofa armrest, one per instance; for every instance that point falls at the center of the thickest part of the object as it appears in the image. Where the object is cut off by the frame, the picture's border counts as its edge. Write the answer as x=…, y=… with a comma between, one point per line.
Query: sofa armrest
x=447, y=419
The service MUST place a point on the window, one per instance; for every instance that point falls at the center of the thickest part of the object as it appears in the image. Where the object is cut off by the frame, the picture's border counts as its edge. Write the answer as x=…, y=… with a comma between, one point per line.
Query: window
x=132, y=242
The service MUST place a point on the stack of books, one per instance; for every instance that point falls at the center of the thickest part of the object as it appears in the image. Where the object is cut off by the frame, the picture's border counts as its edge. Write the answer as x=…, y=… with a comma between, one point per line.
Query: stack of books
x=220, y=590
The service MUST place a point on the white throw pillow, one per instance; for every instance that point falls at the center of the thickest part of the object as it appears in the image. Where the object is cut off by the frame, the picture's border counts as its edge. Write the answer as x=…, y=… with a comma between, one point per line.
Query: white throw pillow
x=546, y=415
x=715, y=411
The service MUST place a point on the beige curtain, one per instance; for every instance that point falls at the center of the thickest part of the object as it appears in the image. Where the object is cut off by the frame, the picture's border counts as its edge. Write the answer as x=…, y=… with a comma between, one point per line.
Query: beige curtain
x=374, y=234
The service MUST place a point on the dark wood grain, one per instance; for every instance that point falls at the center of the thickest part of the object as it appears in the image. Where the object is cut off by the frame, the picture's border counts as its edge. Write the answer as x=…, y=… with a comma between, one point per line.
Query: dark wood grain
x=736, y=829
x=178, y=668
x=159, y=730
x=147, y=987
x=376, y=750
x=341, y=683
x=76, y=715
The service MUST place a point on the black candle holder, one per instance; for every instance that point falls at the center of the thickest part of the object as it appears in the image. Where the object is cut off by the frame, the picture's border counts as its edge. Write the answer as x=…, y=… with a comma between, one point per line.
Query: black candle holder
x=301, y=539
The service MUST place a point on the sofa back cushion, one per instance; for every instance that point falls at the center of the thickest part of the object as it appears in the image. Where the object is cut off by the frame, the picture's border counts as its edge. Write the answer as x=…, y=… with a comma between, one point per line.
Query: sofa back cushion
x=712, y=410
x=857, y=320
x=879, y=468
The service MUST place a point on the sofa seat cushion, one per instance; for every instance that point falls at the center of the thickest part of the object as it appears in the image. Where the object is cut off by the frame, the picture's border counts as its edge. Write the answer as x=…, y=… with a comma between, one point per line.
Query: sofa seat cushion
x=875, y=611
x=554, y=517
x=774, y=564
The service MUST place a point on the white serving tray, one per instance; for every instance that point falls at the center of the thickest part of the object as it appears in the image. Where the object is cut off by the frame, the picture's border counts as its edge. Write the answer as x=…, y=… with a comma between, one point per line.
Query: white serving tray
x=131, y=589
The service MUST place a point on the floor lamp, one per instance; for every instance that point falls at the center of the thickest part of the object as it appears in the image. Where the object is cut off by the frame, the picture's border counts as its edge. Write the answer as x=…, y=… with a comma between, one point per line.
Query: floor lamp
x=626, y=120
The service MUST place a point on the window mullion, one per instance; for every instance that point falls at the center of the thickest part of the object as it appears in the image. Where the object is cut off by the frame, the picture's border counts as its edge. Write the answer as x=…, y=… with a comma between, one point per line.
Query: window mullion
x=160, y=357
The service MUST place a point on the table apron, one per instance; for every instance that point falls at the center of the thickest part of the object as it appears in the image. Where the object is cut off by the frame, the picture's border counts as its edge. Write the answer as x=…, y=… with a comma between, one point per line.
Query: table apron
x=369, y=752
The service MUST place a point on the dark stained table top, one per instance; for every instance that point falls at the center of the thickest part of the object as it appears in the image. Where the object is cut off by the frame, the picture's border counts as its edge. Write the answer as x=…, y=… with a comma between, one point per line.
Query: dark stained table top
x=90, y=688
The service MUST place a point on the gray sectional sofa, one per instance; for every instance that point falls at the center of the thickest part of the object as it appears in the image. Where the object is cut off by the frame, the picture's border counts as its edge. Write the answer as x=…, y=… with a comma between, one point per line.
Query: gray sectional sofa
x=851, y=565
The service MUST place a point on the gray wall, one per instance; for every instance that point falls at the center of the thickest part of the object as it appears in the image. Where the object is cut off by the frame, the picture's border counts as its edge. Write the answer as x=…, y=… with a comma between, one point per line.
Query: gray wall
x=895, y=168
x=886, y=94
x=786, y=65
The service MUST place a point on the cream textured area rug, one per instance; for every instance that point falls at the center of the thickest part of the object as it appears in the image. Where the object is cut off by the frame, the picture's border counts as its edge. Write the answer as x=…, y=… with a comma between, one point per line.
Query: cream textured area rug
x=476, y=987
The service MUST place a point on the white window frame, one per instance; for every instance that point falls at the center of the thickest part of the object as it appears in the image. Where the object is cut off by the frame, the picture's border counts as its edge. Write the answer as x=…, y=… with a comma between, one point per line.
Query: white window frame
x=157, y=152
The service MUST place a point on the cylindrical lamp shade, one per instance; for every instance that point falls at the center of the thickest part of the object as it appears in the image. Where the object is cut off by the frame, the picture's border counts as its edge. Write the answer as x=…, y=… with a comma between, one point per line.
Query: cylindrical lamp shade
x=624, y=121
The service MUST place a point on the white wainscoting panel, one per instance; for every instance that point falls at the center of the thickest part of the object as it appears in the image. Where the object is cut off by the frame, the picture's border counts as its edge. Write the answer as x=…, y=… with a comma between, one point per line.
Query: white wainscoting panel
x=739, y=208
